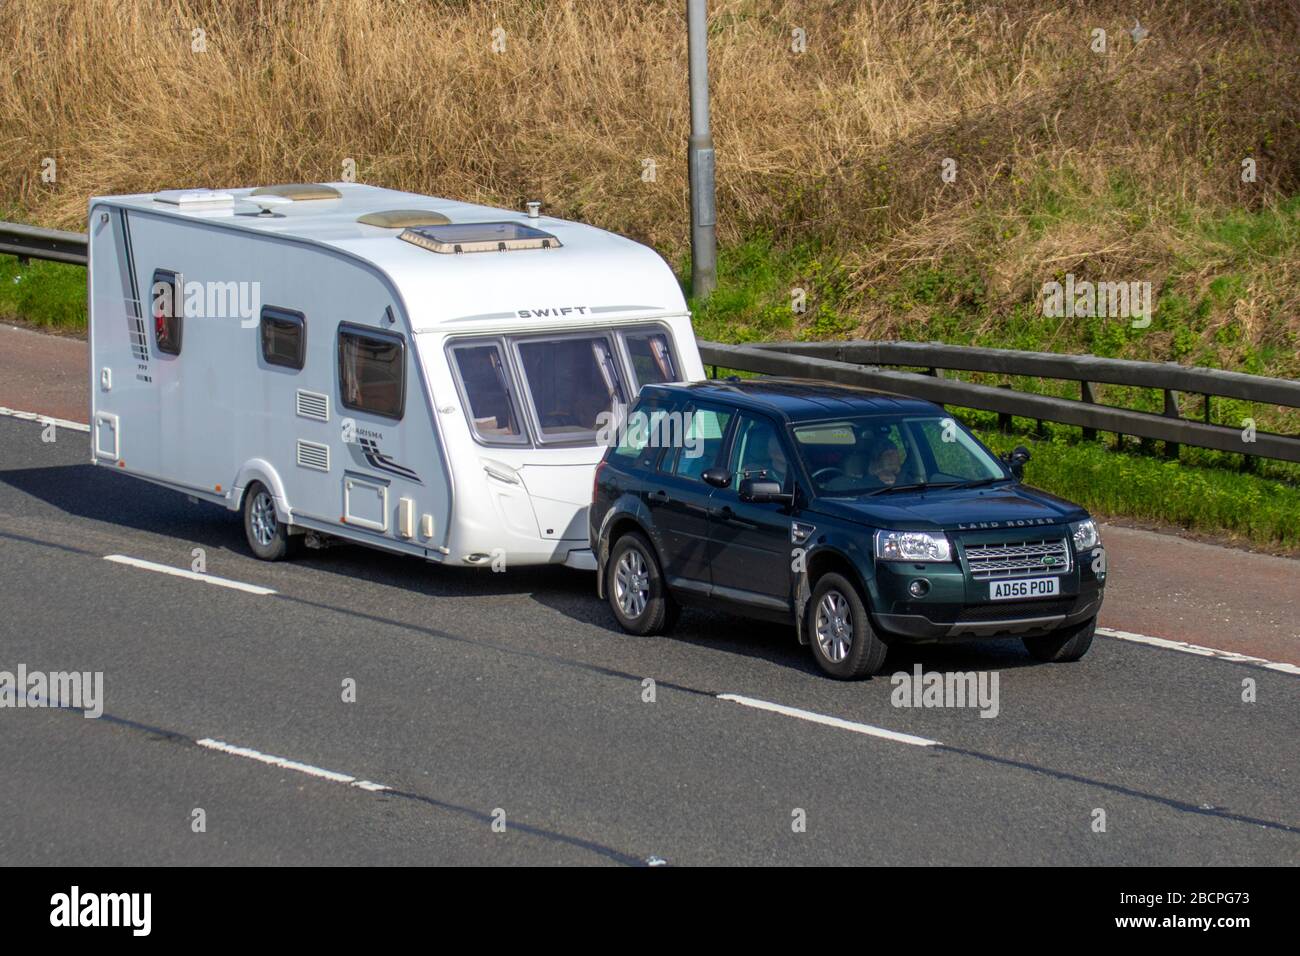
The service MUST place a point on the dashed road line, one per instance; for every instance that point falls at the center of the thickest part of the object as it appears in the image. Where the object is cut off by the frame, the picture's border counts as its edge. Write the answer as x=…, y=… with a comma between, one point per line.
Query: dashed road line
x=43, y=419
x=191, y=575
x=286, y=764
x=1200, y=651
x=841, y=723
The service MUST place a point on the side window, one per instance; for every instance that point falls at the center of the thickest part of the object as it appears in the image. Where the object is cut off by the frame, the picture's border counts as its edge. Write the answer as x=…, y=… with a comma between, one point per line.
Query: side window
x=284, y=337
x=372, y=372
x=644, y=432
x=758, y=452
x=482, y=372
x=168, y=311
x=702, y=431
x=652, y=357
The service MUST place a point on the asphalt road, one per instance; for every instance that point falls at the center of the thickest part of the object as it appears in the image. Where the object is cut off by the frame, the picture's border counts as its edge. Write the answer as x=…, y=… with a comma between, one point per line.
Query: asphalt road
x=483, y=696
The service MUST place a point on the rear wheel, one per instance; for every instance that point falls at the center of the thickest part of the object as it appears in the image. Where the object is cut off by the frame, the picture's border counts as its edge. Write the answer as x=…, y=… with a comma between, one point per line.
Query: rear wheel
x=638, y=595
x=267, y=535
x=843, y=642
x=1067, y=644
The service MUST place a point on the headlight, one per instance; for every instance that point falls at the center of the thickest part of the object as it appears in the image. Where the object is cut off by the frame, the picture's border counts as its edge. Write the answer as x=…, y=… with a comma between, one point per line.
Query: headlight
x=1085, y=535
x=912, y=546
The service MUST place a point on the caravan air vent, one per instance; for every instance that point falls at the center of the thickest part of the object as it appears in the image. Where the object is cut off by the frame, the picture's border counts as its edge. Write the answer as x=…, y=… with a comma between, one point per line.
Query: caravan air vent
x=313, y=405
x=403, y=218
x=195, y=198
x=313, y=455
x=298, y=191
x=479, y=237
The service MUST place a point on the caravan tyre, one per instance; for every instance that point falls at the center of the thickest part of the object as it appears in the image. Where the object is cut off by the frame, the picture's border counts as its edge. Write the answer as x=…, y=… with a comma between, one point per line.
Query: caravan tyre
x=267, y=535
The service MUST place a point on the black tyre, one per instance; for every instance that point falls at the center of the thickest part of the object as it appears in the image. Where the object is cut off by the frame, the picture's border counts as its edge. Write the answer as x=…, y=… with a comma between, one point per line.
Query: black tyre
x=839, y=629
x=1067, y=644
x=266, y=535
x=634, y=583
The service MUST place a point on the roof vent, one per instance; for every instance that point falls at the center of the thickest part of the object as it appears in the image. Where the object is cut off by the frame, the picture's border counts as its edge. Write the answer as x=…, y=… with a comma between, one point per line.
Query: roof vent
x=195, y=198
x=403, y=218
x=479, y=237
x=299, y=191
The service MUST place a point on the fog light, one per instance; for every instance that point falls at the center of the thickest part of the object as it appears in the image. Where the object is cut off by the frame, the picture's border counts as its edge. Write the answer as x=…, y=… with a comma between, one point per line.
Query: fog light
x=919, y=588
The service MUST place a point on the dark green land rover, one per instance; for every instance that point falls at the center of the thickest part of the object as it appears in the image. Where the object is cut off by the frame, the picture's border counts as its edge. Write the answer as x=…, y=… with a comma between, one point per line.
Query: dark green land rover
x=861, y=518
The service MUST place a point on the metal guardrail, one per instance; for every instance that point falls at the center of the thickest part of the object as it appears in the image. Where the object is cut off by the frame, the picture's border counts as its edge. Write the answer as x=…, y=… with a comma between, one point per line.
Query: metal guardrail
x=32, y=242
x=856, y=363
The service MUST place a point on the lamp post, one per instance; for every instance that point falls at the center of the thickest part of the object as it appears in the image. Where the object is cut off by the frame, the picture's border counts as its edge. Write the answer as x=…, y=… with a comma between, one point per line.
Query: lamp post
x=700, y=158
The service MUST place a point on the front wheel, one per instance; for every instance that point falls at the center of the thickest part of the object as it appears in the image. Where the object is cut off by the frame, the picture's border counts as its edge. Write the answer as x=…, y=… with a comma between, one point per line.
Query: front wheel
x=638, y=595
x=1067, y=644
x=267, y=535
x=843, y=642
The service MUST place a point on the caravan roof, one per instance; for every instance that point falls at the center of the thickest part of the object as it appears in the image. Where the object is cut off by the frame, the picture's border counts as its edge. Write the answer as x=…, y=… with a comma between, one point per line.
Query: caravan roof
x=587, y=272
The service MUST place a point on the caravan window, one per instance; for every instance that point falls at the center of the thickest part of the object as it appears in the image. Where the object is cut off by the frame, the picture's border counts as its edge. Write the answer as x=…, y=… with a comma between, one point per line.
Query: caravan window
x=652, y=357
x=571, y=381
x=284, y=337
x=168, y=311
x=372, y=372
x=485, y=384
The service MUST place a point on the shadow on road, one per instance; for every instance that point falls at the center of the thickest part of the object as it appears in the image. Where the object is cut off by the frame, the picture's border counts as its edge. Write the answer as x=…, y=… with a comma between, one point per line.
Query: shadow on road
x=95, y=494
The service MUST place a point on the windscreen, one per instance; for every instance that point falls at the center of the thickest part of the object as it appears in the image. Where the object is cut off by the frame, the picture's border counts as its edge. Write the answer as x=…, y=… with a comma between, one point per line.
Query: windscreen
x=856, y=456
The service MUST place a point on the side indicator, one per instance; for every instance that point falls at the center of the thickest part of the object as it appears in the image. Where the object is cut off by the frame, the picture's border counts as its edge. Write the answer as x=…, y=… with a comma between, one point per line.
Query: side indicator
x=121, y=464
x=218, y=487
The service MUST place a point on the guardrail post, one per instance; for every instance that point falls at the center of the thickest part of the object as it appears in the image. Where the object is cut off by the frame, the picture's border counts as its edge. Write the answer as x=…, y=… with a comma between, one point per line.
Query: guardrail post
x=1004, y=418
x=1171, y=411
x=1086, y=395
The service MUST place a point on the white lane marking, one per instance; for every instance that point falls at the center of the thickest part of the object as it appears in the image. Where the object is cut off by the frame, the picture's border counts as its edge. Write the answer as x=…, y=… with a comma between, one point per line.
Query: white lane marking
x=192, y=575
x=1200, y=651
x=43, y=419
x=830, y=721
x=285, y=764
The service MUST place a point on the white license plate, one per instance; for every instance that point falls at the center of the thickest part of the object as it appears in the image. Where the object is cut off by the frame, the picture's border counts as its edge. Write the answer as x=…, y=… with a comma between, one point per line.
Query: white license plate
x=1024, y=588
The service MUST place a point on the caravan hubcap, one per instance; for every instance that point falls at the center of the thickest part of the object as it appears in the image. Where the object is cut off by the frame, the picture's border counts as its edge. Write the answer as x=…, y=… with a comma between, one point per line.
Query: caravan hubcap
x=631, y=583
x=834, y=627
x=264, y=520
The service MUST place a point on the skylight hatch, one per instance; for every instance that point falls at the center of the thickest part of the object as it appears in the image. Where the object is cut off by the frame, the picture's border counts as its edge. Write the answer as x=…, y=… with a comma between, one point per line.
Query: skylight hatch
x=461, y=237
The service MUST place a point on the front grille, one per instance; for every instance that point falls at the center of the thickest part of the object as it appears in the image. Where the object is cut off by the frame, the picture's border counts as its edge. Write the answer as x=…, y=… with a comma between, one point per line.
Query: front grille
x=1018, y=559
x=1015, y=610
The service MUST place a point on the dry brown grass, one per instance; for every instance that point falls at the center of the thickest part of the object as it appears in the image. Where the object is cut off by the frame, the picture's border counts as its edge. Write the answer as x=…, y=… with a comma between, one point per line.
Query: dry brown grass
x=842, y=143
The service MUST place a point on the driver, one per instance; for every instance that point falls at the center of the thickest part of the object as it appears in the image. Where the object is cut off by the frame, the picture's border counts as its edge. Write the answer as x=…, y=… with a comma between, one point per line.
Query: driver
x=886, y=463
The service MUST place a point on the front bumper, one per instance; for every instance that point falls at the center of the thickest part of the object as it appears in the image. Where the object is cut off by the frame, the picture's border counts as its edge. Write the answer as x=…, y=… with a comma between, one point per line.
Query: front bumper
x=990, y=620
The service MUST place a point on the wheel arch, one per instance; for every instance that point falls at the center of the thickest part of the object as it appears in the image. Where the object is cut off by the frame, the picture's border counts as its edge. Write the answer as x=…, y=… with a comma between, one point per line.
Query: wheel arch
x=260, y=470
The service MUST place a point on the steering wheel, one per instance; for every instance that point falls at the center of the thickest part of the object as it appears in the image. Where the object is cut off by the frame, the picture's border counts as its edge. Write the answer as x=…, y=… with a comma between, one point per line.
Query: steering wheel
x=830, y=471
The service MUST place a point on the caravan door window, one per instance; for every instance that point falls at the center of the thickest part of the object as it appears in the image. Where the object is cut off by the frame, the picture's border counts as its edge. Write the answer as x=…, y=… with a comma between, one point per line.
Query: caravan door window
x=484, y=381
x=372, y=372
x=570, y=381
x=652, y=357
x=168, y=312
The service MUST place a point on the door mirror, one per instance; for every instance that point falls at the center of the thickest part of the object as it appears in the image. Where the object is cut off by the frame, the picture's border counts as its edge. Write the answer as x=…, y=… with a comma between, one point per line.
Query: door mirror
x=1015, y=461
x=717, y=477
x=761, y=491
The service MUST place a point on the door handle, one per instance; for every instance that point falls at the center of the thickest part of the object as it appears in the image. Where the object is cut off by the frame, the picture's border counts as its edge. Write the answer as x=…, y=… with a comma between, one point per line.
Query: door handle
x=658, y=497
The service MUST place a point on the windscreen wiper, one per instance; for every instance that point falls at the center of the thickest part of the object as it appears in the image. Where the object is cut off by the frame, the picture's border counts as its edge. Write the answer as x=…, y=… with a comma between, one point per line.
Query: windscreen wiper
x=916, y=486
x=976, y=483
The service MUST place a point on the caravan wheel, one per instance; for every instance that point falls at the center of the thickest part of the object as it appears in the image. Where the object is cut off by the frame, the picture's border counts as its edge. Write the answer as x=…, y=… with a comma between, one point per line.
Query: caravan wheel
x=267, y=536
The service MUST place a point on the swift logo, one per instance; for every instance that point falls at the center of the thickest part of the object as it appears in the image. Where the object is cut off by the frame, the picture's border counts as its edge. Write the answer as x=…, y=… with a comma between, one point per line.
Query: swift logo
x=103, y=909
x=553, y=313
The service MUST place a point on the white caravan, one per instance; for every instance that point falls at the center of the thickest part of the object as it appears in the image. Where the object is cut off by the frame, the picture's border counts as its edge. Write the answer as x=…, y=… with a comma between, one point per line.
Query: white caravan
x=412, y=373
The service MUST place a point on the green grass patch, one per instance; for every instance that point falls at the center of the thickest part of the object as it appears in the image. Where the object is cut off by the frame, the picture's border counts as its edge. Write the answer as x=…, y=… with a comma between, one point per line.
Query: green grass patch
x=1262, y=511
x=47, y=294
